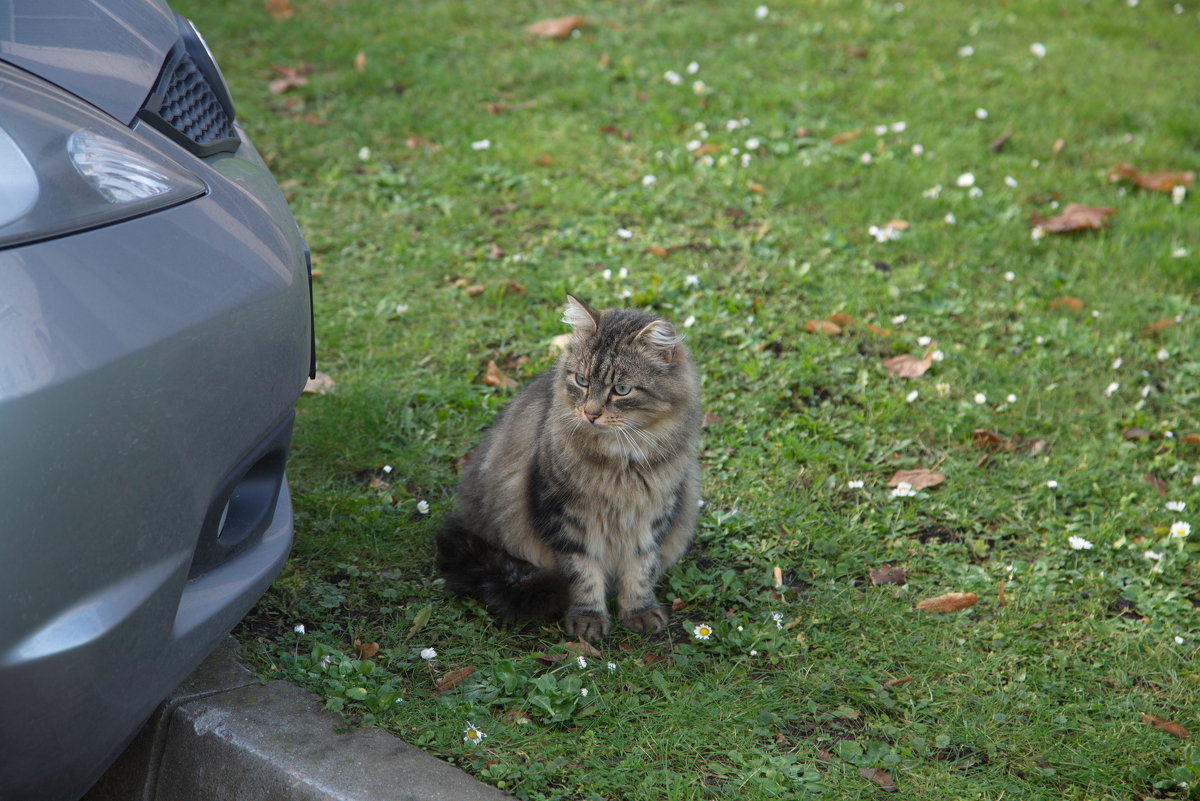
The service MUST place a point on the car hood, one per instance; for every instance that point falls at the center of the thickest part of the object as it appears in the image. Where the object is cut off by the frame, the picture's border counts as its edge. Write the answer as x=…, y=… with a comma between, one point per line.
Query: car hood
x=107, y=52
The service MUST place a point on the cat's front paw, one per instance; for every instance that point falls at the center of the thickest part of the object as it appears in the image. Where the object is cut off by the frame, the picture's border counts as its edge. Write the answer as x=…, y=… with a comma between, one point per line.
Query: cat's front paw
x=650, y=620
x=590, y=627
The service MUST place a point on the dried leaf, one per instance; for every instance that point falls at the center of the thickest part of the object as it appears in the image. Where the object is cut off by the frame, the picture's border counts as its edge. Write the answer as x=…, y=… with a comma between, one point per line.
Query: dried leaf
x=377, y=482
x=584, y=648
x=1167, y=726
x=1067, y=302
x=279, y=10
x=557, y=27
x=662, y=253
x=475, y=290
x=413, y=142
x=880, y=777
x=519, y=717
x=494, y=378
x=907, y=366
x=1074, y=217
x=841, y=319
x=1058, y=145
x=1133, y=433
x=982, y=438
x=1038, y=446
x=450, y=680
x=899, y=681
x=1190, y=439
x=887, y=574
x=823, y=327
x=777, y=574
x=882, y=332
x=710, y=419
x=918, y=479
x=365, y=650
x=360, y=61
x=289, y=77
x=511, y=287
x=845, y=136
x=897, y=225
x=1152, y=181
x=678, y=605
x=1001, y=594
x=950, y=602
x=755, y=187
x=997, y=144
x=1159, y=485
x=1158, y=326
x=320, y=384
x=544, y=160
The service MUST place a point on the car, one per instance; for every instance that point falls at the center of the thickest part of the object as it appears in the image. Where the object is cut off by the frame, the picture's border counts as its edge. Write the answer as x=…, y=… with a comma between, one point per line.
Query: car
x=155, y=332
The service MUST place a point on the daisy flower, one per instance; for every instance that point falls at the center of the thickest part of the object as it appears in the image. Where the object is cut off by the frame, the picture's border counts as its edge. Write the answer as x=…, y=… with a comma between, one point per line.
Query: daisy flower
x=950, y=219
x=702, y=631
x=965, y=180
x=612, y=667
x=1038, y=49
x=625, y=233
x=429, y=654
x=1180, y=529
x=423, y=507
x=583, y=691
x=966, y=51
x=910, y=397
x=672, y=77
x=903, y=490
x=761, y=12
x=981, y=114
x=582, y=662
x=1176, y=506
x=1079, y=543
x=1052, y=484
x=855, y=484
x=298, y=628
x=692, y=280
x=942, y=388
x=481, y=144
x=980, y=398
x=472, y=734
x=1111, y=389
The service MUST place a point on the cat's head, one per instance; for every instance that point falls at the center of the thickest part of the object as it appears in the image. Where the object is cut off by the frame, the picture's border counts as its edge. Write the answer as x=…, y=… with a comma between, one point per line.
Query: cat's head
x=624, y=369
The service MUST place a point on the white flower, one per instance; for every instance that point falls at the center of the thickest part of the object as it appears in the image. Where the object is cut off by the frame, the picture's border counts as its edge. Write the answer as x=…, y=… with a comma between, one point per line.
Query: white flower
x=582, y=662
x=917, y=149
x=1117, y=362
x=1180, y=529
x=937, y=356
x=1179, y=253
x=423, y=507
x=778, y=618
x=1146, y=391
x=932, y=192
x=482, y=144
x=1052, y=484
x=855, y=484
x=612, y=667
x=699, y=87
x=1111, y=389
x=693, y=144
x=672, y=77
x=885, y=234
x=1010, y=276
x=1163, y=354
x=583, y=691
x=690, y=321
x=965, y=180
x=606, y=275
x=298, y=628
x=732, y=125
x=364, y=153
x=866, y=158
x=702, y=631
x=401, y=308
x=974, y=191
x=1178, y=640
x=899, y=319
x=623, y=272
x=980, y=398
x=1152, y=555
x=691, y=280
x=966, y=51
x=1010, y=398
x=472, y=734
x=692, y=68
x=1038, y=49
x=761, y=12
x=387, y=468
x=745, y=159
x=753, y=652
x=903, y=490
x=981, y=114
x=1036, y=233
x=753, y=143
x=880, y=130
x=429, y=654
x=1079, y=543
x=1176, y=506
x=950, y=219
x=942, y=388
x=899, y=127
x=624, y=233
x=1041, y=340
x=649, y=180
x=910, y=397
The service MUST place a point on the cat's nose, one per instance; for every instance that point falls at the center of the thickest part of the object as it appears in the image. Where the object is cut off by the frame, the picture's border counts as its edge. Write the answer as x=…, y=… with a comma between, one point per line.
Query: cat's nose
x=592, y=416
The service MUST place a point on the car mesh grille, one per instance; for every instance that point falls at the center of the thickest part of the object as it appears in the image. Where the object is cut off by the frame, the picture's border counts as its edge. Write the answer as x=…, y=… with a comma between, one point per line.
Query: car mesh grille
x=190, y=106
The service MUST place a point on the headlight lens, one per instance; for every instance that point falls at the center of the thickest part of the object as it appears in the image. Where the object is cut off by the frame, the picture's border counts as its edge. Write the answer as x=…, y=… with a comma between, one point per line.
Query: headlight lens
x=65, y=166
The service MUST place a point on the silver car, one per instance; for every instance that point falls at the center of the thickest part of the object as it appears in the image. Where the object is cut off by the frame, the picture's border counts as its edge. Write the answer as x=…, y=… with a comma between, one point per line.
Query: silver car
x=155, y=331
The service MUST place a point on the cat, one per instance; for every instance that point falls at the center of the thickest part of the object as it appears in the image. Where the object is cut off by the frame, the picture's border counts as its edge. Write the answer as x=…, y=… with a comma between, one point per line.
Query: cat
x=587, y=484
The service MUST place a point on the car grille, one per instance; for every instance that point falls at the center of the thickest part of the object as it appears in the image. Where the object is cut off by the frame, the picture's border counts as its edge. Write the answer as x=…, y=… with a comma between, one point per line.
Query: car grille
x=185, y=106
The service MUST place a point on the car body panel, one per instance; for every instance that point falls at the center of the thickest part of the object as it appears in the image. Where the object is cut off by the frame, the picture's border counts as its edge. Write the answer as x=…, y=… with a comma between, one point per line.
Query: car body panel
x=139, y=363
x=107, y=52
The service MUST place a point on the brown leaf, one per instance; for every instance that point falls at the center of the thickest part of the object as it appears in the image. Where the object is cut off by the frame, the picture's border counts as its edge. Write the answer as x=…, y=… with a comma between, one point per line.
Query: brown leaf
x=289, y=77
x=845, y=136
x=887, y=574
x=662, y=253
x=1190, y=439
x=880, y=777
x=475, y=290
x=882, y=332
x=755, y=187
x=1133, y=433
x=677, y=605
x=413, y=142
x=360, y=61
x=777, y=574
x=377, y=482
x=583, y=647
x=918, y=479
x=557, y=27
x=320, y=384
x=1001, y=594
x=950, y=602
x=1152, y=181
x=1067, y=302
x=279, y=10
x=549, y=660
x=1159, y=485
x=841, y=319
x=365, y=650
x=519, y=717
x=823, y=327
x=907, y=366
x=1038, y=446
x=511, y=287
x=1167, y=726
x=451, y=679
x=853, y=51
x=997, y=144
x=1074, y=217
x=707, y=149
x=494, y=378
x=823, y=755
x=544, y=160
x=897, y=225
x=899, y=681
x=1158, y=326
x=710, y=419
x=982, y=438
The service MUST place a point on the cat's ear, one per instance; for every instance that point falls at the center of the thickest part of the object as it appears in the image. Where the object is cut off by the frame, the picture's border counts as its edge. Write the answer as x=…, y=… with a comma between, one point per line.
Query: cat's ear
x=582, y=317
x=661, y=338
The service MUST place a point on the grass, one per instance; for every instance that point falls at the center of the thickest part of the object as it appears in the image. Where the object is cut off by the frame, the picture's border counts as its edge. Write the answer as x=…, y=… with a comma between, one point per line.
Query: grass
x=1037, y=691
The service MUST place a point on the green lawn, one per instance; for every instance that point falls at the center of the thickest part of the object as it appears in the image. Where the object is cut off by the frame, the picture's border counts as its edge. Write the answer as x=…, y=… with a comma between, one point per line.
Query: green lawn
x=743, y=208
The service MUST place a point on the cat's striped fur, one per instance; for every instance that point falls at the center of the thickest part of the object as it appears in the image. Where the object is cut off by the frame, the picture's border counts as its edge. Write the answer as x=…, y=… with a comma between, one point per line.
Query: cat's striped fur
x=587, y=484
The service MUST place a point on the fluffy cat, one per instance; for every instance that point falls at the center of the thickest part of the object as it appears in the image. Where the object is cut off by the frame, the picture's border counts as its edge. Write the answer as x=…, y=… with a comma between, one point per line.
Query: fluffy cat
x=588, y=482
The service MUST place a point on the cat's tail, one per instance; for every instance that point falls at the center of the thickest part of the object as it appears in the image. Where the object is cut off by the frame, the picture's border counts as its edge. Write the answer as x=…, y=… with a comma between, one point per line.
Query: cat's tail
x=511, y=587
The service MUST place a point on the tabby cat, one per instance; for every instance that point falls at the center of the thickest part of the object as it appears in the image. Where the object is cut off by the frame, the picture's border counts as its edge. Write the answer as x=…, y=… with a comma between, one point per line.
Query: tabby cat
x=588, y=482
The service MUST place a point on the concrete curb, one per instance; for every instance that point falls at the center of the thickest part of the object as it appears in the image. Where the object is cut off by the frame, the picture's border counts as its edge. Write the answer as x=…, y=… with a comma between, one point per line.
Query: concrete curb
x=224, y=734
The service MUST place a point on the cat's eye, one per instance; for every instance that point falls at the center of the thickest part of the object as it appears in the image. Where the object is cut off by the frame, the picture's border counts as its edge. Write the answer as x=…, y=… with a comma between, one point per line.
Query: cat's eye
x=581, y=380
x=622, y=389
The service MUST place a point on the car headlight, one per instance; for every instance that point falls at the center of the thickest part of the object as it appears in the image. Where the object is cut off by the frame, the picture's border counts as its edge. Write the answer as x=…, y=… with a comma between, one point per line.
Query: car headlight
x=66, y=167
